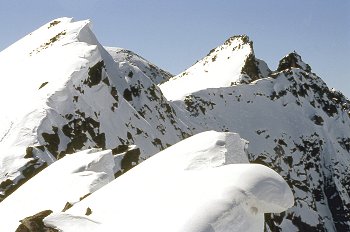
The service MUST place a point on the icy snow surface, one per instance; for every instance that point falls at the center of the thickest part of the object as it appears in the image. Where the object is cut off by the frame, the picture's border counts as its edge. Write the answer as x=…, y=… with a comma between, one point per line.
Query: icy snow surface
x=191, y=186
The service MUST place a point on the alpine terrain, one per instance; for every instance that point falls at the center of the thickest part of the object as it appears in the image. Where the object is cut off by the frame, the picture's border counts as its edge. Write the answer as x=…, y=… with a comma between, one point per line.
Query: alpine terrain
x=226, y=145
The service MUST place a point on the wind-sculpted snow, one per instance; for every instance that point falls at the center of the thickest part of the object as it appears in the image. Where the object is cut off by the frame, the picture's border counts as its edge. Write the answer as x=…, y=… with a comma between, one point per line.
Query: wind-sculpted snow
x=184, y=188
x=58, y=187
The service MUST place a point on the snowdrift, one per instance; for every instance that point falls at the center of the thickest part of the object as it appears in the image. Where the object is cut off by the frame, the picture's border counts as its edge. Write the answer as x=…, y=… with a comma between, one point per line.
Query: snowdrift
x=184, y=188
x=59, y=186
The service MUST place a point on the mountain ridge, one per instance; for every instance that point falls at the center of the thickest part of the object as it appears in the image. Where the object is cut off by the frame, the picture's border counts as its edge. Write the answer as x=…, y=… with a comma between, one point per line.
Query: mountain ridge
x=111, y=98
x=232, y=62
x=74, y=114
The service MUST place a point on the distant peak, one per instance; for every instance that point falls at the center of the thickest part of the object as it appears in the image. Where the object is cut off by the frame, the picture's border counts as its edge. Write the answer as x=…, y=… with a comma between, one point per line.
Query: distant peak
x=234, y=42
x=243, y=38
x=293, y=60
x=229, y=64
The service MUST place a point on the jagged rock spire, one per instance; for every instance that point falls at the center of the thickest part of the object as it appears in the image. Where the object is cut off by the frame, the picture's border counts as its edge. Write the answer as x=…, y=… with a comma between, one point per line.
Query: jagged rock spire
x=293, y=60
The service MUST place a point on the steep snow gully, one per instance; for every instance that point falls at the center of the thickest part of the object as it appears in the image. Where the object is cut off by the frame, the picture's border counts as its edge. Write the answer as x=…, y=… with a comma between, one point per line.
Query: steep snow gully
x=96, y=138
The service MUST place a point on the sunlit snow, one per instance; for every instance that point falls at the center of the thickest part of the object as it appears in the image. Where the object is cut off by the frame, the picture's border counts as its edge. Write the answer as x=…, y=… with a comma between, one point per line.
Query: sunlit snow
x=66, y=181
x=185, y=188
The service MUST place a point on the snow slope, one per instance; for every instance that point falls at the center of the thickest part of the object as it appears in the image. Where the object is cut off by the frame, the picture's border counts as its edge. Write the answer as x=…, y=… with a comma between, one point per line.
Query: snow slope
x=59, y=186
x=233, y=62
x=63, y=92
x=298, y=127
x=156, y=74
x=191, y=186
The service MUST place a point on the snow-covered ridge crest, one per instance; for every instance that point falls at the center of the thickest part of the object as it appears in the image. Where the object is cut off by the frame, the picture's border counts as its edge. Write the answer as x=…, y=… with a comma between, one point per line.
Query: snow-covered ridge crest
x=231, y=63
x=56, y=32
x=71, y=95
x=48, y=45
x=35, y=76
x=212, y=195
x=59, y=186
x=209, y=149
x=296, y=124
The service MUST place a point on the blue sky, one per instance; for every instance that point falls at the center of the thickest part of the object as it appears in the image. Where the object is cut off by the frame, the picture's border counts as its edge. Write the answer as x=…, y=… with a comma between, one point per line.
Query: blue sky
x=174, y=34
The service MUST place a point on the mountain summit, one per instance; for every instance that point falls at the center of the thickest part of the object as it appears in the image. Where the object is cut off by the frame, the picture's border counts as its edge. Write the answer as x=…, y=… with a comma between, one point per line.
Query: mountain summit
x=70, y=102
x=293, y=60
x=63, y=92
x=231, y=63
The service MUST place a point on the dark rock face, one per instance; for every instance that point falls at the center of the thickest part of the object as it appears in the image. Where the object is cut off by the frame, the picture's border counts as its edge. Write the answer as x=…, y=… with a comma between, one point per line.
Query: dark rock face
x=131, y=157
x=196, y=105
x=318, y=120
x=251, y=70
x=293, y=60
x=35, y=223
x=33, y=167
x=340, y=210
x=95, y=74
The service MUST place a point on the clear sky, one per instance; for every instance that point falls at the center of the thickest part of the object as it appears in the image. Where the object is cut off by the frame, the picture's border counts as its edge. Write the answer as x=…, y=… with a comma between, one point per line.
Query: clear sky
x=174, y=34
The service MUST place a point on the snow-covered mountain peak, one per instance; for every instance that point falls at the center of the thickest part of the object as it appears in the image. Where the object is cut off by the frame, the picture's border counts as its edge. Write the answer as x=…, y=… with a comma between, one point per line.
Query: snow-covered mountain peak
x=238, y=40
x=293, y=60
x=69, y=95
x=39, y=73
x=231, y=63
x=56, y=32
x=48, y=46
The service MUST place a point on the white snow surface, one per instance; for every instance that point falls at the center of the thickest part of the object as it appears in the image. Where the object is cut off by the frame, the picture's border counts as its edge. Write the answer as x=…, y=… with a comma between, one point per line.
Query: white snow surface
x=220, y=68
x=47, y=46
x=67, y=180
x=45, y=87
x=295, y=124
x=280, y=124
x=156, y=74
x=23, y=93
x=191, y=186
